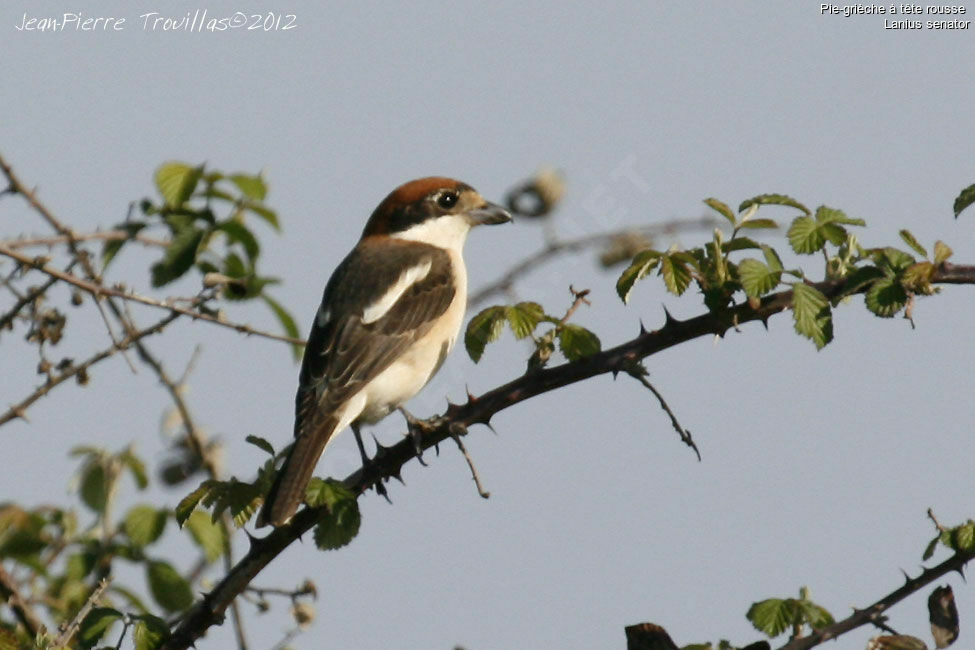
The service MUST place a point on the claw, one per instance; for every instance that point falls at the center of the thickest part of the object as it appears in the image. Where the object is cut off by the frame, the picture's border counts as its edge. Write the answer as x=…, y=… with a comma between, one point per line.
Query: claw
x=415, y=428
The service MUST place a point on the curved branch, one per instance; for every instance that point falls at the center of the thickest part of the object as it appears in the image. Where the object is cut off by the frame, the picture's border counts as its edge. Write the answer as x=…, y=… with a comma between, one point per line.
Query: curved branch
x=479, y=410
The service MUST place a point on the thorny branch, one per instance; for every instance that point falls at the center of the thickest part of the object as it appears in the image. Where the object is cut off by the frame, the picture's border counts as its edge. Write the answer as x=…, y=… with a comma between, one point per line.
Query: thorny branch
x=21, y=608
x=479, y=410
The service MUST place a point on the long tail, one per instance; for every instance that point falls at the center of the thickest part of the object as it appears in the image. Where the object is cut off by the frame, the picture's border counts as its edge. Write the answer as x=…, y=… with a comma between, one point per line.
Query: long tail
x=288, y=490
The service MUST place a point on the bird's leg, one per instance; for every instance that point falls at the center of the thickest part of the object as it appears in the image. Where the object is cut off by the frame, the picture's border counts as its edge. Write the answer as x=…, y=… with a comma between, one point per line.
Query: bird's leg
x=368, y=465
x=416, y=428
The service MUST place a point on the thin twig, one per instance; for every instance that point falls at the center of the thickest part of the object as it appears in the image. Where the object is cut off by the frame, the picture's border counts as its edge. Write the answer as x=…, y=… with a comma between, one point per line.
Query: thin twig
x=19, y=410
x=101, y=290
x=104, y=236
x=639, y=373
x=26, y=299
x=22, y=610
x=72, y=628
x=470, y=462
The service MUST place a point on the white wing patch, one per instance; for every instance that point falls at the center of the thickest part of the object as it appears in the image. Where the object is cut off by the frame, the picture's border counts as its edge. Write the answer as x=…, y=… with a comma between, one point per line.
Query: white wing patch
x=407, y=278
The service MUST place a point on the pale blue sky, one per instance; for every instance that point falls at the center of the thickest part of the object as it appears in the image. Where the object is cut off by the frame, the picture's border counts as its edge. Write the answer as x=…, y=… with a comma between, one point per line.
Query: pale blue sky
x=817, y=467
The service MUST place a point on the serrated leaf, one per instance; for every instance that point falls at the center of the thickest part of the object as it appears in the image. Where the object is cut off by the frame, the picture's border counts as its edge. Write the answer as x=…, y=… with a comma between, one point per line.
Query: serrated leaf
x=756, y=278
x=168, y=587
x=829, y=215
x=814, y=615
x=964, y=537
x=912, y=241
x=643, y=263
x=188, y=503
x=771, y=258
x=892, y=259
x=772, y=616
x=941, y=252
x=150, y=632
x=253, y=187
x=896, y=642
x=677, y=275
x=964, y=199
x=917, y=278
x=861, y=277
x=576, y=342
x=722, y=209
x=812, y=315
x=176, y=182
x=484, y=328
x=144, y=524
x=834, y=233
x=260, y=443
x=736, y=244
x=756, y=224
x=207, y=535
x=287, y=322
x=524, y=317
x=340, y=523
x=98, y=621
x=804, y=236
x=773, y=199
x=886, y=297
x=178, y=257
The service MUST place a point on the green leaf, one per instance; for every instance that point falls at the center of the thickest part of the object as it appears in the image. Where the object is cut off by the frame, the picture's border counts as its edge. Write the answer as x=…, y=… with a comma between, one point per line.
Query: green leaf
x=260, y=443
x=208, y=536
x=813, y=615
x=188, y=503
x=642, y=264
x=929, y=550
x=239, y=233
x=771, y=258
x=965, y=537
x=577, y=342
x=886, y=297
x=168, y=587
x=111, y=248
x=176, y=182
x=757, y=279
x=524, y=317
x=150, y=632
x=941, y=252
x=144, y=524
x=834, y=233
x=134, y=600
x=287, y=322
x=253, y=187
x=265, y=213
x=912, y=241
x=484, y=328
x=812, y=315
x=829, y=215
x=677, y=275
x=772, y=616
x=965, y=199
x=96, y=624
x=736, y=244
x=136, y=467
x=722, y=209
x=892, y=259
x=860, y=278
x=773, y=199
x=340, y=523
x=179, y=256
x=756, y=224
x=804, y=236
x=94, y=486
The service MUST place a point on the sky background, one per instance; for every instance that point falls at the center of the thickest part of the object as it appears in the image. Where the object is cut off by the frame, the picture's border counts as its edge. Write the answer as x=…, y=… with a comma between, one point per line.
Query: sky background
x=817, y=467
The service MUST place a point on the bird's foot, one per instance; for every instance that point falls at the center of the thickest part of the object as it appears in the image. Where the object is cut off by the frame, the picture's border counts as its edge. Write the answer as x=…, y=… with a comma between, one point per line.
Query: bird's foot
x=416, y=428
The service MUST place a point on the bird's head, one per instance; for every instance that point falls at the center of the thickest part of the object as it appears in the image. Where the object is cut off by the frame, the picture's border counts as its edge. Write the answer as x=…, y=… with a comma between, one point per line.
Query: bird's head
x=433, y=210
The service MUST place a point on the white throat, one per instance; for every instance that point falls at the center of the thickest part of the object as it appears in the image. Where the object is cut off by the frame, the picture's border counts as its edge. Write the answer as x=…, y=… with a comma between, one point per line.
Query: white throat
x=448, y=232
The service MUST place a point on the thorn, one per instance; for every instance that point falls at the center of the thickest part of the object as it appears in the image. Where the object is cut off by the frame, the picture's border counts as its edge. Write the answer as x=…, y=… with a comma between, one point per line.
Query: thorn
x=470, y=397
x=961, y=572
x=488, y=425
x=399, y=477
x=907, y=578
x=764, y=322
x=669, y=319
x=643, y=330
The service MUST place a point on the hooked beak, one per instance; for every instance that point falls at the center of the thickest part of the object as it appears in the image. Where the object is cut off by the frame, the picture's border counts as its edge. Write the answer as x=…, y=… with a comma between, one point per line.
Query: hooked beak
x=488, y=214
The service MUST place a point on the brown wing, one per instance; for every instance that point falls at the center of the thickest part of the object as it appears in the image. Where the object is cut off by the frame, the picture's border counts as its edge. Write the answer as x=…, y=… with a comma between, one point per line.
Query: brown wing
x=344, y=353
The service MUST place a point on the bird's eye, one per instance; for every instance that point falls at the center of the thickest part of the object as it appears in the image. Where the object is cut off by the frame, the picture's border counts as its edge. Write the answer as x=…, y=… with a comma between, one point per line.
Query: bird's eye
x=447, y=199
